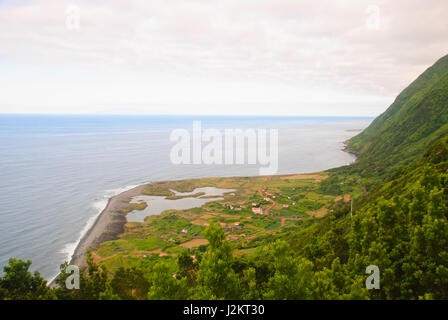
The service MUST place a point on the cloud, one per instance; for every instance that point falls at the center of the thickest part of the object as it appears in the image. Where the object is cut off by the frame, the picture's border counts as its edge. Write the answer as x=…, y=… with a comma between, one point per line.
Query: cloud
x=285, y=47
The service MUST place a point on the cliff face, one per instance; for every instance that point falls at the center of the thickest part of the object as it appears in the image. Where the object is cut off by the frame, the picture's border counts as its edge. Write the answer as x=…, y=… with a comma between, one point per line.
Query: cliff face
x=417, y=118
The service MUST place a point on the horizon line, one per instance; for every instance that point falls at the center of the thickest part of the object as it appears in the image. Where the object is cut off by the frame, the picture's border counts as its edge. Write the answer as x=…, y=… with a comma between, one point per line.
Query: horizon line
x=186, y=115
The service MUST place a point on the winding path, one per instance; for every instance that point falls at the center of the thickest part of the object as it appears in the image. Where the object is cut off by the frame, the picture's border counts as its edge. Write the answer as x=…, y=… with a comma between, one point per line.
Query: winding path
x=260, y=191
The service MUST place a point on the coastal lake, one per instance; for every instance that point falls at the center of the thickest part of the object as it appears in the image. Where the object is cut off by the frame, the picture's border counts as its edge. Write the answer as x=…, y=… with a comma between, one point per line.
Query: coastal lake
x=158, y=204
x=58, y=172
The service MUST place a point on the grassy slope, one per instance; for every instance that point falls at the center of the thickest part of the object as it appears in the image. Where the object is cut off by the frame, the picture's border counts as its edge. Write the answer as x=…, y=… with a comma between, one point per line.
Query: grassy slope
x=298, y=198
x=417, y=118
x=402, y=227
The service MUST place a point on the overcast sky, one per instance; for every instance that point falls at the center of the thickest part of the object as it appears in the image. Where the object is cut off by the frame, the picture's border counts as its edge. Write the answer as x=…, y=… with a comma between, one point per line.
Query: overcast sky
x=282, y=57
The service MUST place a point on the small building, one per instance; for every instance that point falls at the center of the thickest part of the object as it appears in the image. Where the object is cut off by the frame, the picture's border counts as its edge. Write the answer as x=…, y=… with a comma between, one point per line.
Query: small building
x=257, y=210
x=236, y=226
x=184, y=230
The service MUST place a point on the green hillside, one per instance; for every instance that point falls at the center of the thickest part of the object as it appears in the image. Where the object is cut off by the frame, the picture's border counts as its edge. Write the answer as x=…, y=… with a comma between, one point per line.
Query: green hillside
x=401, y=227
x=417, y=118
x=315, y=244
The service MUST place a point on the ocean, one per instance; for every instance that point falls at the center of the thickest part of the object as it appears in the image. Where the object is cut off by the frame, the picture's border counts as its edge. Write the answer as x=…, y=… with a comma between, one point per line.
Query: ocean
x=58, y=171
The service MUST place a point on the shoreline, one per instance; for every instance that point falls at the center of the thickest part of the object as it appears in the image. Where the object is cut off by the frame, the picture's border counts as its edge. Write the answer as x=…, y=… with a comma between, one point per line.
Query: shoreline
x=349, y=151
x=111, y=221
x=108, y=225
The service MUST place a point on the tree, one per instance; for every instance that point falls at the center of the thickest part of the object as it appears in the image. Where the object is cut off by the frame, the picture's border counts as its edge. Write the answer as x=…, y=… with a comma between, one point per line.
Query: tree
x=292, y=277
x=165, y=285
x=130, y=284
x=250, y=288
x=188, y=267
x=20, y=284
x=216, y=277
x=92, y=282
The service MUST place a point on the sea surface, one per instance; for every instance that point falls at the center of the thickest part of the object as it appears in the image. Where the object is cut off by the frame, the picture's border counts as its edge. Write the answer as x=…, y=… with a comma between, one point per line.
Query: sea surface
x=57, y=172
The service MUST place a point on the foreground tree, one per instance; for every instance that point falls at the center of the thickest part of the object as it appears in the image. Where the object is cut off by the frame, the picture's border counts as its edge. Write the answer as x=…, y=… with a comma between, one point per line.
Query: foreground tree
x=216, y=278
x=92, y=282
x=130, y=284
x=293, y=275
x=20, y=284
x=165, y=285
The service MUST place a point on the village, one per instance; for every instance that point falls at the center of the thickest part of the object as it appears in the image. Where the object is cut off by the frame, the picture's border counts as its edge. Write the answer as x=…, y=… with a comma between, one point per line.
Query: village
x=257, y=210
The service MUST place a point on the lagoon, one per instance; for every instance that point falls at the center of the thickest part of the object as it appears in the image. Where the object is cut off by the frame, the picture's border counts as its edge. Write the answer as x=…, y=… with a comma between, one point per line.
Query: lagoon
x=158, y=204
x=58, y=172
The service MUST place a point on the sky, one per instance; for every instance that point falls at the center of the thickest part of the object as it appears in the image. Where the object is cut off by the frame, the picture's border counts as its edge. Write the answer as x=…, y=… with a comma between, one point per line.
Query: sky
x=232, y=57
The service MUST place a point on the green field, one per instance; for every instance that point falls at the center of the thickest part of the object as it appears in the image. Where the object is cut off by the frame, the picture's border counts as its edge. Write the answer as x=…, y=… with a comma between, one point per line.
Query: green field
x=295, y=198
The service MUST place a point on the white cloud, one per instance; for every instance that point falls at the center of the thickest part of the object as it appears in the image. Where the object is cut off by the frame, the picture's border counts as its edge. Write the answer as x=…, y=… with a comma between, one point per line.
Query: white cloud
x=292, y=57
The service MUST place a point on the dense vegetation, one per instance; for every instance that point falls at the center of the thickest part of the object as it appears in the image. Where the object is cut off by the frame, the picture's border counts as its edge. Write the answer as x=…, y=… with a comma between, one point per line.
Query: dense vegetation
x=417, y=118
x=400, y=225
x=402, y=228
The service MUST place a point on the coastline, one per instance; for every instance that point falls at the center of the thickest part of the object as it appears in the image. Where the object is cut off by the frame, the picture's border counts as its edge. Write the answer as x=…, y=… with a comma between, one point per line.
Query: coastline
x=349, y=151
x=109, y=224
x=111, y=221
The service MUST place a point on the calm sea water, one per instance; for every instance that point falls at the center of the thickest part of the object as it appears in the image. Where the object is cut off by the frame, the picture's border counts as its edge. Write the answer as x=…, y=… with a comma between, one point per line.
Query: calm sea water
x=57, y=172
